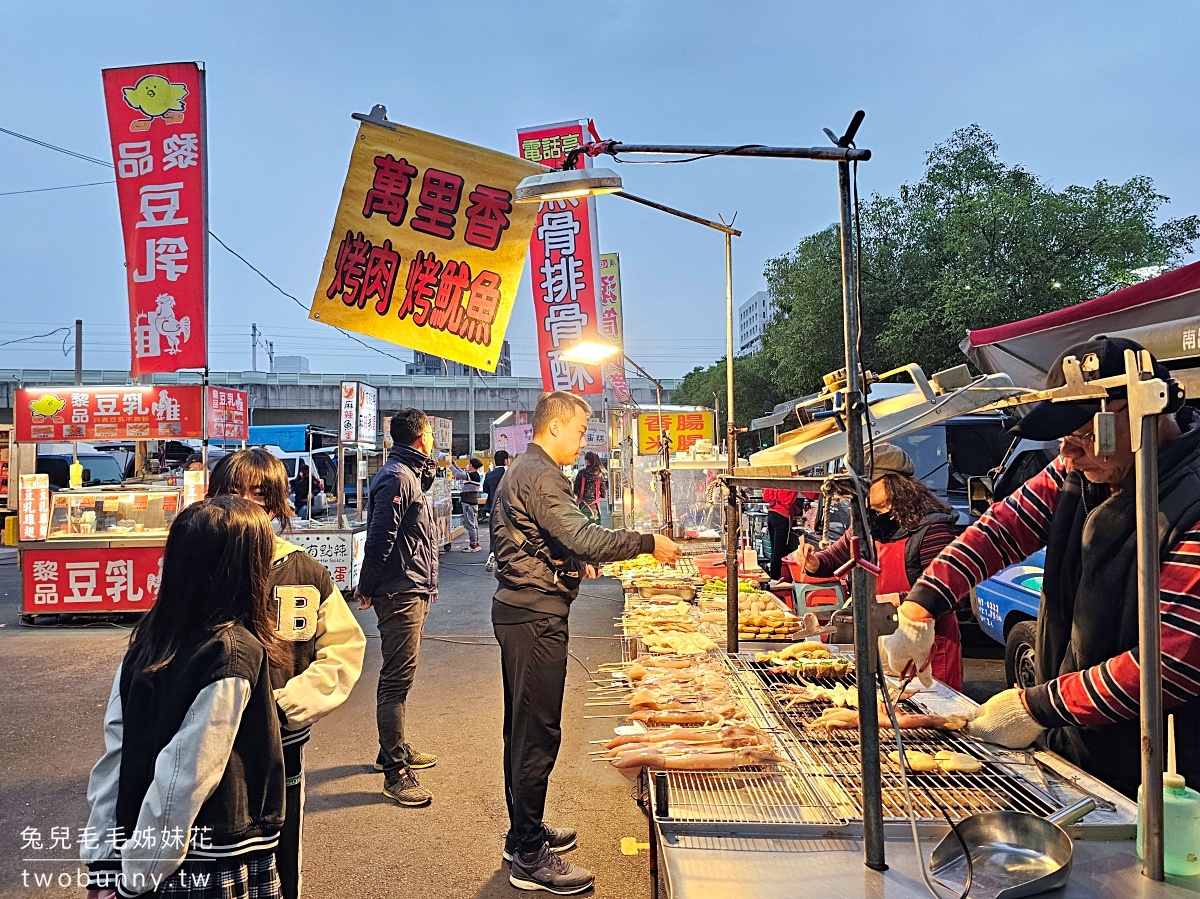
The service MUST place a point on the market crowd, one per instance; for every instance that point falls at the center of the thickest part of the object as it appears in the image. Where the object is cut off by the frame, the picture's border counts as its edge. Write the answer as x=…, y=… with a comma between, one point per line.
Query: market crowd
x=250, y=643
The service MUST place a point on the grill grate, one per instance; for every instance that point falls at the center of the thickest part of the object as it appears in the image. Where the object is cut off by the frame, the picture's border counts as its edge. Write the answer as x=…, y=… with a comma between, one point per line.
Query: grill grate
x=832, y=760
x=742, y=797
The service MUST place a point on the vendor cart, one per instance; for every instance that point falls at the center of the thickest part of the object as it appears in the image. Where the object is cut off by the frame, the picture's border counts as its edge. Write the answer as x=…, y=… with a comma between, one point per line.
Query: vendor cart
x=89, y=548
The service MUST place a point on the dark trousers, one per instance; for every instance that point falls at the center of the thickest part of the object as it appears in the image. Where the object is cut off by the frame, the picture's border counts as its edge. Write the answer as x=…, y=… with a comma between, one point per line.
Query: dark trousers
x=779, y=528
x=289, y=852
x=534, y=658
x=401, y=617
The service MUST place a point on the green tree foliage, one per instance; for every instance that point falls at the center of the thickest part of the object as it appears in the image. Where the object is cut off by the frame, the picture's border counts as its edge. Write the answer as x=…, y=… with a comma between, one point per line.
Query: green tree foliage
x=755, y=390
x=972, y=244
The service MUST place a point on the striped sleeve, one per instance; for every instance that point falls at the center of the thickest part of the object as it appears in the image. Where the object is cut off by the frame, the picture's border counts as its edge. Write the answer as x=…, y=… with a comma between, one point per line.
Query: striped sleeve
x=1006, y=534
x=1109, y=691
x=832, y=557
x=937, y=537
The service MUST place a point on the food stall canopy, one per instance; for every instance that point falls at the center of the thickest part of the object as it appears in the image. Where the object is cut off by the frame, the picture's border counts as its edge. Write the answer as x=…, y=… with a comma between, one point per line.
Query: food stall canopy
x=895, y=410
x=1025, y=350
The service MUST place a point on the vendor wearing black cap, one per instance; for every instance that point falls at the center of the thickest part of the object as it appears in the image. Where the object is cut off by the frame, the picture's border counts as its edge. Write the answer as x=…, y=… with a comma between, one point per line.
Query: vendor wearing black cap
x=1081, y=509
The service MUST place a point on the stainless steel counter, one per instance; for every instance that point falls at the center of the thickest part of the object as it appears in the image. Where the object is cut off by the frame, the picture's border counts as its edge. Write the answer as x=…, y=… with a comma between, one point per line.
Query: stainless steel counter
x=699, y=867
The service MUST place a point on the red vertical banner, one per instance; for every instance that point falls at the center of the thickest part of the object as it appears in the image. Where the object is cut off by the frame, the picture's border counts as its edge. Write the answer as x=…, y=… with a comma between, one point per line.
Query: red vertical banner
x=156, y=121
x=564, y=262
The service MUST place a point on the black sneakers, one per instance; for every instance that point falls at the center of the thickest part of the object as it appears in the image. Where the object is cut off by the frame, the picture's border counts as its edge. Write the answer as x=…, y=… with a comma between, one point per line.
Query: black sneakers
x=560, y=839
x=544, y=870
x=406, y=789
x=416, y=760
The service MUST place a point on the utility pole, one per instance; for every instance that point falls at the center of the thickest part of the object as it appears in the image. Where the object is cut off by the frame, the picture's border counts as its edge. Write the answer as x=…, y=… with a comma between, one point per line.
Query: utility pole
x=271, y=353
x=78, y=352
x=471, y=416
x=254, y=346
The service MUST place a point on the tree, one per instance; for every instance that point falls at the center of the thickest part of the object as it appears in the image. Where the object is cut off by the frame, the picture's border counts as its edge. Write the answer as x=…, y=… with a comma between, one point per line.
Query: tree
x=754, y=390
x=974, y=243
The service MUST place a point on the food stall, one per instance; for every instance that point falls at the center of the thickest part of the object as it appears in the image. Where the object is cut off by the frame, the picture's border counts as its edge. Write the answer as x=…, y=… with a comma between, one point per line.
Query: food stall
x=750, y=763
x=97, y=549
x=339, y=544
x=8, y=501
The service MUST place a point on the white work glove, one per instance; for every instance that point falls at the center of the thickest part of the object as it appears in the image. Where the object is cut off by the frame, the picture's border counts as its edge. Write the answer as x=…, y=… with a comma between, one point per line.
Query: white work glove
x=1005, y=721
x=908, y=649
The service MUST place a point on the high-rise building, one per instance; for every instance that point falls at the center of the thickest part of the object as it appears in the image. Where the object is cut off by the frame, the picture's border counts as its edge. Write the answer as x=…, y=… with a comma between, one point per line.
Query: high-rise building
x=429, y=364
x=753, y=316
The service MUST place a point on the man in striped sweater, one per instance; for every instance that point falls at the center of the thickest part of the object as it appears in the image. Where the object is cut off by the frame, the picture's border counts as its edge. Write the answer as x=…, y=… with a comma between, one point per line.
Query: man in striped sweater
x=1081, y=509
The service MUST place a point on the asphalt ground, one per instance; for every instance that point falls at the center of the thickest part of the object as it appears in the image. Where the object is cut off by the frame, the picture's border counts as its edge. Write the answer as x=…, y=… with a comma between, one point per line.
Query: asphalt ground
x=356, y=843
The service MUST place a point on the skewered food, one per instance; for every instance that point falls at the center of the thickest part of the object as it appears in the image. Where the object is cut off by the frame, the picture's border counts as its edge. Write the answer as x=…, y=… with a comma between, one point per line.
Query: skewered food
x=729, y=735
x=722, y=759
x=944, y=761
x=847, y=719
x=678, y=644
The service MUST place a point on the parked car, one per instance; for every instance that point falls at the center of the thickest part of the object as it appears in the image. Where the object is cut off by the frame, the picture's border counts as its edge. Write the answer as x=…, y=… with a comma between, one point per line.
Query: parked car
x=1006, y=604
x=99, y=470
x=1006, y=607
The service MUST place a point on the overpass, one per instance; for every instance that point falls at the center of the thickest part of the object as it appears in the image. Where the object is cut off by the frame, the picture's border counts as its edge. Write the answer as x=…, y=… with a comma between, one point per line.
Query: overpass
x=285, y=398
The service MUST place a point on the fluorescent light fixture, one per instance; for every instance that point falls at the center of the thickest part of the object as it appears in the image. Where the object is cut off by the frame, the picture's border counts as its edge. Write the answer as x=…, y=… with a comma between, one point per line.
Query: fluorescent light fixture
x=568, y=185
x=503, y=418
x=589, y=352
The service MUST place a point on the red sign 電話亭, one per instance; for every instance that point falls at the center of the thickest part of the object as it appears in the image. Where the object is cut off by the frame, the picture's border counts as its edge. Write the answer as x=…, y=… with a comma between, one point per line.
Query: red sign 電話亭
x=227, y=411
x=108, y=413
x=156, y=120
x=563, y=262
x=69, y=581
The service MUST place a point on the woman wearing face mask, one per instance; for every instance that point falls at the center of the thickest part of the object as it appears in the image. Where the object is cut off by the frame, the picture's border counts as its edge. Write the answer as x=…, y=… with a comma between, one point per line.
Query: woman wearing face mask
x=325, y=645
x=910, y=526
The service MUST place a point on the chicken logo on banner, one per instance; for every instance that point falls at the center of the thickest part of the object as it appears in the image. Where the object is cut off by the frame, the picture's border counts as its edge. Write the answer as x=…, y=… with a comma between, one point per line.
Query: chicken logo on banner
x=155, y=97
x=161, y=324
x=47, y=407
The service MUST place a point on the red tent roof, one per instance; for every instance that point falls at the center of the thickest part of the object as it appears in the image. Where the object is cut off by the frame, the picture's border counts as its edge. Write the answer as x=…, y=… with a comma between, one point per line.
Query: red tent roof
x=1181, y=280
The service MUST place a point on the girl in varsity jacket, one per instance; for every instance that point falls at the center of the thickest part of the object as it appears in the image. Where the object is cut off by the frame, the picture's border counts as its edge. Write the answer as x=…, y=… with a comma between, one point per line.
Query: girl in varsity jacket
x=324, y=644
x=188, y=796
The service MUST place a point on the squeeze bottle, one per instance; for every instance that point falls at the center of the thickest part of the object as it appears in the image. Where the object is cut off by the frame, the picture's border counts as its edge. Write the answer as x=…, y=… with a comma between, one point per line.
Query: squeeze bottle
x=1181, y=817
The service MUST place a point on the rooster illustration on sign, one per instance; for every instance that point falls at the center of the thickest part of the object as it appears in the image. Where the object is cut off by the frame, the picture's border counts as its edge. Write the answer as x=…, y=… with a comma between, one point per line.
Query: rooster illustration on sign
x=163, y=323
x=46, y=407
x=155, y=97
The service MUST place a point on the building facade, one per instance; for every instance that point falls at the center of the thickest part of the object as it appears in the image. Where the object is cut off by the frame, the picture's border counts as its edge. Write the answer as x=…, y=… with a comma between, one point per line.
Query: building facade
x=753, y=316
x=429, y=364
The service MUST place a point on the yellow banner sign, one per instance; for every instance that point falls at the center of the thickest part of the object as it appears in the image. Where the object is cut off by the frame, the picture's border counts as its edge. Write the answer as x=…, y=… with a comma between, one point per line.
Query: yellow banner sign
x=428, y=244
x=683, y=429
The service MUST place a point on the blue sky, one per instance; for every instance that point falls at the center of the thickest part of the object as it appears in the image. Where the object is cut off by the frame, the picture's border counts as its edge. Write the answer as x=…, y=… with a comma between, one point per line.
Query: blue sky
x=1075, y=92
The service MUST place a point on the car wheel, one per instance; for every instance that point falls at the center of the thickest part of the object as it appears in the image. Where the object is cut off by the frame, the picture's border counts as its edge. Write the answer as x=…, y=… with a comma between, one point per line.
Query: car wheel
x=1020, y=663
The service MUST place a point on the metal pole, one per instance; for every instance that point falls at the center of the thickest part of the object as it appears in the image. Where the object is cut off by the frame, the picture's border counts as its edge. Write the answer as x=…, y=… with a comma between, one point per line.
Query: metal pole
x=862, y=585
x=732, y=512
x=664, y=447
x=253, y=346
x=471, y=416
x=829, y=154
x=78, y=352
x=1150, y=648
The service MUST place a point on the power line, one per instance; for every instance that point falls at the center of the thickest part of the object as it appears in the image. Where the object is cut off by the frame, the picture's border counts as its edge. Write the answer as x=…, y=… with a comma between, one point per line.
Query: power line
x=38, y=190
x=57, y=149
x=108, y=165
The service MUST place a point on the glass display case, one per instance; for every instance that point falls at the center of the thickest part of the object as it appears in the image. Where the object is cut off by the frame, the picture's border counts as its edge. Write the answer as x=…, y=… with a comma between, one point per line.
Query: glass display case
x=92, y=514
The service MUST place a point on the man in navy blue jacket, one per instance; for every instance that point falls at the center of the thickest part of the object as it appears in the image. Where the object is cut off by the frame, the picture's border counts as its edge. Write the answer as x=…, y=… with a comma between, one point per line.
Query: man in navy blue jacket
x=399, y=579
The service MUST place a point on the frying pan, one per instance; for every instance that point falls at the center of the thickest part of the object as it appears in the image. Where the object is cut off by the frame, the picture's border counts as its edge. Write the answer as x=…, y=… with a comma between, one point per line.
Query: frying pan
x=1013, y=854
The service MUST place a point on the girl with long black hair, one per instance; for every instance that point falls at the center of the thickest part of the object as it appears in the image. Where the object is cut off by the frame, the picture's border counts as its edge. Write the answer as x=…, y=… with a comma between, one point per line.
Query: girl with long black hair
x=188, y=796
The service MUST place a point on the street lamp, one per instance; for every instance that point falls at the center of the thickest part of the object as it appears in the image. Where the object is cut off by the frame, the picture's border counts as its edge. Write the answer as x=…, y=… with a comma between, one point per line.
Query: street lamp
x=843, y=152
x=589, y=352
